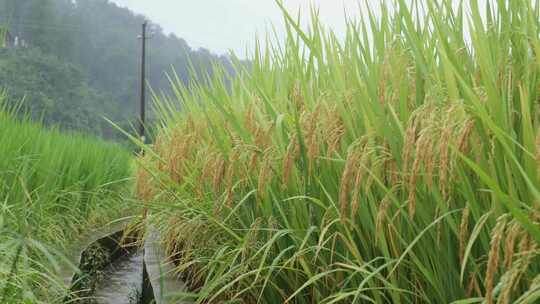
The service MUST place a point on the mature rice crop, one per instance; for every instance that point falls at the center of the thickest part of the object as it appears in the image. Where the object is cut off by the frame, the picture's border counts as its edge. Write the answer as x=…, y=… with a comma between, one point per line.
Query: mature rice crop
x=53, y=186
x=399, y=165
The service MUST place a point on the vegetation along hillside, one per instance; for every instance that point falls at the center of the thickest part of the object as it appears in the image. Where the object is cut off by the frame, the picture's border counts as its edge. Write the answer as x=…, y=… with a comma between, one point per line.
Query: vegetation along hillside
x=400, y=165
x=85, y=55
x=53, y=186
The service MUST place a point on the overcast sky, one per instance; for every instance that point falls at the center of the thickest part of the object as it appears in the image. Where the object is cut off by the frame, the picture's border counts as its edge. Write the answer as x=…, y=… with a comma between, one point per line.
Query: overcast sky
x=223, y=25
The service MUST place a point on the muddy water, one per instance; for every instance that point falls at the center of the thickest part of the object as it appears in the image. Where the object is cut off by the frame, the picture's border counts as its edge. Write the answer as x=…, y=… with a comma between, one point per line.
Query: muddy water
x=73, y=254
x=122, y=281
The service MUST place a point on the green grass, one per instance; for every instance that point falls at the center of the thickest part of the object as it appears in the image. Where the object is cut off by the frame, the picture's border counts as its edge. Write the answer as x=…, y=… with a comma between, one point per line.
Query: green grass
x=53, y=186
x=397, y=166
x=2, y=37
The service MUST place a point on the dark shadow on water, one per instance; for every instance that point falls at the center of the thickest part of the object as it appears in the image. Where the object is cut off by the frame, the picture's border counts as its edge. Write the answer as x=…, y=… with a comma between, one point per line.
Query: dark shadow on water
x=122, y=281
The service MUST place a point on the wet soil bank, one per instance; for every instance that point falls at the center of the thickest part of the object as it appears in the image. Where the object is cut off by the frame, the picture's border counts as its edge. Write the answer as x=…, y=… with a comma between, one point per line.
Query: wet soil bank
x=113, y=269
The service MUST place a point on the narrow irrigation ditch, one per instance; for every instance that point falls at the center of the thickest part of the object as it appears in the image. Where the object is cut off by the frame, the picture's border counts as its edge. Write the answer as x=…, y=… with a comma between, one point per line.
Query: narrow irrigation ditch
x=115, y=269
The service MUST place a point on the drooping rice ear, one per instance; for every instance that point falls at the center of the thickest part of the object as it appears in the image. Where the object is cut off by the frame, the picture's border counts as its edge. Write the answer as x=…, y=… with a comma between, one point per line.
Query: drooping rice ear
x=360, y=172
x=444, y=160
x=219, y=171
x=408, y=146
x=463, y=232
x=265, y=174
x=512, y=233
x=473, y=286
x=421, y=146
x=493, y=257
x=288, y=160
x=345, y=183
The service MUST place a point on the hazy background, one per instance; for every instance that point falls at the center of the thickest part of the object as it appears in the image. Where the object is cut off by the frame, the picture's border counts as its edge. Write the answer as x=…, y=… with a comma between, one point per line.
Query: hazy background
x=223, y=25
x=81, y=59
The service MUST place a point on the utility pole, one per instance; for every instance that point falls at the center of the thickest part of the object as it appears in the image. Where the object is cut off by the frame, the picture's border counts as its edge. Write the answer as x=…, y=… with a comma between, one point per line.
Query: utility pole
x=142, y=127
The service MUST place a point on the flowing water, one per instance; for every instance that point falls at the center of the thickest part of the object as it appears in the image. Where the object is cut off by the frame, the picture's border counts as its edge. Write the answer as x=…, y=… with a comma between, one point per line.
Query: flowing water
x=122, y=281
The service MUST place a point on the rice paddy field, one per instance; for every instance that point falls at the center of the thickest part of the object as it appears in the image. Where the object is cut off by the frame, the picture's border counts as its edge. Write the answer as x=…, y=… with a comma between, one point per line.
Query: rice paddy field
x=53, y=186
x=397, y=165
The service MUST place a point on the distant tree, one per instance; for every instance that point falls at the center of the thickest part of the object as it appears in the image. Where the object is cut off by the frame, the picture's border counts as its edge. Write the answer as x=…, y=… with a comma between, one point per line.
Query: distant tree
x=51, y=89
x=95, y=47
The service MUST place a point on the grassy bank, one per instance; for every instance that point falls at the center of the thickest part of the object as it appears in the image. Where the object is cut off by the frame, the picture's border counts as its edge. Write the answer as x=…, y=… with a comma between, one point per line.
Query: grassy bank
x=397, y=166
x=53, y=186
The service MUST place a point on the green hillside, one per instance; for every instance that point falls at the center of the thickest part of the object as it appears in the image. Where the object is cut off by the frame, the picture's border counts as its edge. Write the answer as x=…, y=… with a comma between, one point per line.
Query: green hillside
x=82, y=61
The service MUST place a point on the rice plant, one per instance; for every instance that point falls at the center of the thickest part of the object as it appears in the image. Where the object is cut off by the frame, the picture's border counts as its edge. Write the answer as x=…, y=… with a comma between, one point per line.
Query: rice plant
x=53, y=186
x=399, y=165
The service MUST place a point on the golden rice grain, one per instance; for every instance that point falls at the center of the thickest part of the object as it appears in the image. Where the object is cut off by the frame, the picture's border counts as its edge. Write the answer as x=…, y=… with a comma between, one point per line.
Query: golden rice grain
x=357, y=184
x=464, y=137
x=253, y=161
x=143, y=185
x=429, y=163
x=508, y=282
x=394, y=173
x=493, y=257
x=265, y=174
x=345, y=183
x=408, y=145
x=420, y=149
x=206, y=172
x=288, y=160
x=463, y=232
x=512, y=232
x=336, y=133
x=219, y=171
x=473, y=286
x=249, y=119
x=444, y=160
